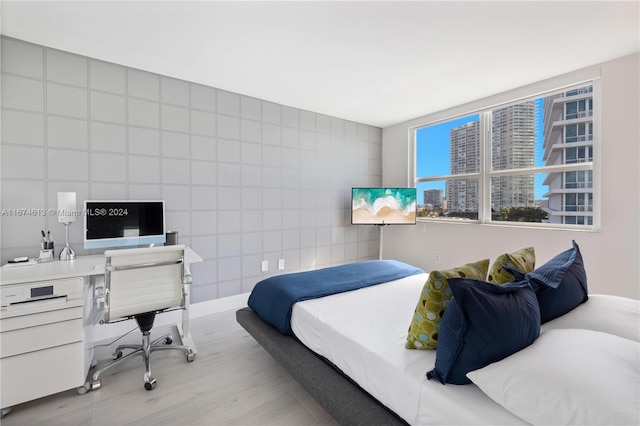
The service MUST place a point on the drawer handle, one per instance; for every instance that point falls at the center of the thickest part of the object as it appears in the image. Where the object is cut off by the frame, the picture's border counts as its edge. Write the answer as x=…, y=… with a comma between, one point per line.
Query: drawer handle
x=40, y=299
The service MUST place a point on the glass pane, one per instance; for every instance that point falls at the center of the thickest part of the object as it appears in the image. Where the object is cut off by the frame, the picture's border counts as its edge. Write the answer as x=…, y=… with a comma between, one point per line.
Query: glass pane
x=578, y=220
x=430, y=199
x=448, y=148
x=564, y=135
x=533, y=133
x=570, y=220
x=582, y=179
x=520, y=198
x=461, y=197
x=450, y=199
x=578, y=202
x=572, y=109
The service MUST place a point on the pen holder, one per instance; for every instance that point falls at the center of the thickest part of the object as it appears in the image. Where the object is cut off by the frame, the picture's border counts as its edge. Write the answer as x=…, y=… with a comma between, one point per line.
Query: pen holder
x=46, y=256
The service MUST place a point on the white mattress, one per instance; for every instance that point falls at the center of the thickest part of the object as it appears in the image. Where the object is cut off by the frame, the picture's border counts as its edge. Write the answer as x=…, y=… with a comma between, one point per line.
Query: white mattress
x=363, y=332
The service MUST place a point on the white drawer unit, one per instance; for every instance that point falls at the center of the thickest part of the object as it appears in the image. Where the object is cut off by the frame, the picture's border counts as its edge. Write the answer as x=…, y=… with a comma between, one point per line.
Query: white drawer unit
x=41, y=339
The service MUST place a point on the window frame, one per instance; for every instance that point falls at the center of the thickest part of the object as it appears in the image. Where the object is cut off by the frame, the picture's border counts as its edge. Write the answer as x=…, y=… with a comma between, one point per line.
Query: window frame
x=486, y=173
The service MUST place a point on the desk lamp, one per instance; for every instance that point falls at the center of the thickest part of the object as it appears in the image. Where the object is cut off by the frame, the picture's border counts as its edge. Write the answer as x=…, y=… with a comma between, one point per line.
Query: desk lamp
x=67, y=214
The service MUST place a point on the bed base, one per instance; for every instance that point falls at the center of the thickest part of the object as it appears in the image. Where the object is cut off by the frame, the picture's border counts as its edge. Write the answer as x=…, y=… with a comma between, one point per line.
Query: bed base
x=340, y=396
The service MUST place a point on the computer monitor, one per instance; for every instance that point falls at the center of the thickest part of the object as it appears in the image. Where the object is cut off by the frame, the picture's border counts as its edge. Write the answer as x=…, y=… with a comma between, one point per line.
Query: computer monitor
x=126, y=223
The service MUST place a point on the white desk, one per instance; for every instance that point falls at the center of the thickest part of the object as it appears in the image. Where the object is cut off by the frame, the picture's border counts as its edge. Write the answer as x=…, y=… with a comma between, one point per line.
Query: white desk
x=48, y=348
x=81, y=266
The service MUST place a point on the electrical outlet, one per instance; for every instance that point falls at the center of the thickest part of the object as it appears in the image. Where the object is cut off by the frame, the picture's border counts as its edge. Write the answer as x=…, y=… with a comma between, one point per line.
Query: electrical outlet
x=280, y=264
x=264, y=267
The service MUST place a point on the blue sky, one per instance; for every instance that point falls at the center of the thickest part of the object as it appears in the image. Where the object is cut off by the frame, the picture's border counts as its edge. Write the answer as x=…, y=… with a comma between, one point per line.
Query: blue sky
x=432, y=151
x=539, y=139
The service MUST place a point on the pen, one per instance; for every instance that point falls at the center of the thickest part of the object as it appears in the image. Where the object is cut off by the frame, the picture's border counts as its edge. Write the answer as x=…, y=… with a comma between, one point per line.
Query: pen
x=48, y=236
x=44, y=239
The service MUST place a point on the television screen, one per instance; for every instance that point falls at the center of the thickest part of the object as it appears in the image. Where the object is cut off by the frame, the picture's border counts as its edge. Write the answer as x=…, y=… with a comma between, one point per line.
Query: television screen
x=123, y=223
x=383, y=206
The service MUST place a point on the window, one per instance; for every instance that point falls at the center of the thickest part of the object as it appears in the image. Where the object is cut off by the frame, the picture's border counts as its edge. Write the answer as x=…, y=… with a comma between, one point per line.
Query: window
x=578, y=154
x=578, y=179
x=529, y=161
x=581, y=108
x=578, y=132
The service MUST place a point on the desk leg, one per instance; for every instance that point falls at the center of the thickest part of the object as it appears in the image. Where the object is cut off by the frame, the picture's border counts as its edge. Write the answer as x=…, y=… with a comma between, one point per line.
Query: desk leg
x=183, y=327
x=185, y=333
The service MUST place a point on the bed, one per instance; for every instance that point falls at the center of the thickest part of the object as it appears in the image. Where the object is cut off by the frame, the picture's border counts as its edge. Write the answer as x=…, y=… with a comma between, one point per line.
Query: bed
x=349, y=350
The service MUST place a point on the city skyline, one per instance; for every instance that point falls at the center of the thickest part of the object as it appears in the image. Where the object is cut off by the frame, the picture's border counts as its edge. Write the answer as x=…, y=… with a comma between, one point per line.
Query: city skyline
x=433, y=160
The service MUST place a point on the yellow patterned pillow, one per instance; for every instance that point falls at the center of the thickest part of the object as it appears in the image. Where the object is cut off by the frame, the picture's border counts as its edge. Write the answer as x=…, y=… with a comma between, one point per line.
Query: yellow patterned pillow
x=435, y=296
x=523, y=260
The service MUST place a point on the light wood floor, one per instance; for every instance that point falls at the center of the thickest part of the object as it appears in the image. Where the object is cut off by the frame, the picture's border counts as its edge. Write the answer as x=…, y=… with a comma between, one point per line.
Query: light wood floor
x=233, y=381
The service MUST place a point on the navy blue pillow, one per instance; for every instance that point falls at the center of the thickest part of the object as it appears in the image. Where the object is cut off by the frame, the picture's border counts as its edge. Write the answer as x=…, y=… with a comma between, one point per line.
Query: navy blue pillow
x=483, y=323
x=560, y=284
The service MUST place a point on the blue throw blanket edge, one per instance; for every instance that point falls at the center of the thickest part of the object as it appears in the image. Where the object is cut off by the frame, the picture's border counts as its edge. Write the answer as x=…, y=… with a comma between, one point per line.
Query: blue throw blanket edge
x=273, y=298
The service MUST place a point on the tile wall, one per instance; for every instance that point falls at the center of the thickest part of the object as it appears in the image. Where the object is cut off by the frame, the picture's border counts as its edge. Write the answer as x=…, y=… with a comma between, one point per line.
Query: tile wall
x=243, y=179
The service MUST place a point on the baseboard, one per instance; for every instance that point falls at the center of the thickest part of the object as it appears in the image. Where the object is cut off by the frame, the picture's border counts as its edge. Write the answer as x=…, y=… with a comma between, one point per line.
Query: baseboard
x=112, y=331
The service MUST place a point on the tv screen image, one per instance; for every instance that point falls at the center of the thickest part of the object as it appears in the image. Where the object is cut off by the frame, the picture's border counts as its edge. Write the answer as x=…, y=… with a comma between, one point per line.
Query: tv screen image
x=123, y=223
x=383, y=206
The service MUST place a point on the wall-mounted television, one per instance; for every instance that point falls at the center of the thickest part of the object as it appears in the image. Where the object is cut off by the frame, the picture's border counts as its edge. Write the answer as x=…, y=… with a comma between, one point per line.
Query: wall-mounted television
x=383, y=206
x=126, y=223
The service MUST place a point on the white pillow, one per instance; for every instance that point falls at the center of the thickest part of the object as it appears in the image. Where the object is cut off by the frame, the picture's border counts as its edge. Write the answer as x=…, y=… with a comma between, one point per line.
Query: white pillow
x=568, y=376
x=610, y=314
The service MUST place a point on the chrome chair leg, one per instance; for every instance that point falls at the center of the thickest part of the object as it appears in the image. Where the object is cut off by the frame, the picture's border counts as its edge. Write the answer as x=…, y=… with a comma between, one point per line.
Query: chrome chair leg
x=166, y=339
x=149, y=382
x=162, y=343
x=132, y=346
x=96, y=374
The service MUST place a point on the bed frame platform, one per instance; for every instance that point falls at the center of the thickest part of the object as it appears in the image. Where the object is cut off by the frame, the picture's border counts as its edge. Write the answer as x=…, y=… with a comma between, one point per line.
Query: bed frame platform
x=341, y=397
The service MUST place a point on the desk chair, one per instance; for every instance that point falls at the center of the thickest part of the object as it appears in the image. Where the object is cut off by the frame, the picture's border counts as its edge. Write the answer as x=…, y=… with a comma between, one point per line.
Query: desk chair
x=139, y=283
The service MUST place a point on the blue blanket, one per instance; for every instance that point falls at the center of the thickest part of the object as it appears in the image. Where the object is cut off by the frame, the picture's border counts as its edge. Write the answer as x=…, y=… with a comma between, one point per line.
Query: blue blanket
x=273, y=298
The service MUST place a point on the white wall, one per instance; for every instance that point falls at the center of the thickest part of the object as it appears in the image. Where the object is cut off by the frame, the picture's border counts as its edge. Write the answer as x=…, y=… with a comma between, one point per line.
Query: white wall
x=243, y=179
x=611, y=255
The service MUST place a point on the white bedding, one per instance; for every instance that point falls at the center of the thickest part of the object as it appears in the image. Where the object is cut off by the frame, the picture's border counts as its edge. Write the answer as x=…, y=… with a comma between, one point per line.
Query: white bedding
x=367, y=344
x=615, y=315
x=583, y=369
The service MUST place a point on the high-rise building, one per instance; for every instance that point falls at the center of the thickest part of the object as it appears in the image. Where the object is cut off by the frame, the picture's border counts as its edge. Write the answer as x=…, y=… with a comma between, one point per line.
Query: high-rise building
x=568, y=138
x=464, y=147
x=513, y=147
x=433, y=199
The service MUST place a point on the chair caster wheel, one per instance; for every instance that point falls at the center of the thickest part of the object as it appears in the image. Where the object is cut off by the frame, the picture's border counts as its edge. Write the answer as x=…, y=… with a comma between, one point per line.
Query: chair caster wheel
x=191, y=356
x=96, y=384
x=84, y=388
x=168, y=341
x=117, y=355
x=150, y=385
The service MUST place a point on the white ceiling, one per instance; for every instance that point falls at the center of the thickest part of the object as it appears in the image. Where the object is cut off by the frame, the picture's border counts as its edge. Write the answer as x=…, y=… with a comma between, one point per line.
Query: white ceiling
x=377, y=63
